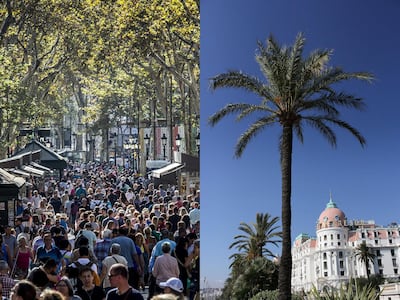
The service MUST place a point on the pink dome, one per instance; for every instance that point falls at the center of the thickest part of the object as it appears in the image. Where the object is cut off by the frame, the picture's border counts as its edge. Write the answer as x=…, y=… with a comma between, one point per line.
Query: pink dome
x=331, y=216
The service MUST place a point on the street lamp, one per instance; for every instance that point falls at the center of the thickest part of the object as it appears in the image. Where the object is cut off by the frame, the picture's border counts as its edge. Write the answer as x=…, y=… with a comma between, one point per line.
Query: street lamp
x=178, y=141
x=147, y=143
x=198, y=144
x=164, y=143
x=129, y=145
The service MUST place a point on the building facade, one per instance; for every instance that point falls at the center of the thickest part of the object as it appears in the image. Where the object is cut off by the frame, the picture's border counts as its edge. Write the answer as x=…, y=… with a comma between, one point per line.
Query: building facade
x=329, y=259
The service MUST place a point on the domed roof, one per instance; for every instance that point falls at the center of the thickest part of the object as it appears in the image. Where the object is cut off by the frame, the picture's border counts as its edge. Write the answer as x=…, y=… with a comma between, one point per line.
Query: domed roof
x=332, y=216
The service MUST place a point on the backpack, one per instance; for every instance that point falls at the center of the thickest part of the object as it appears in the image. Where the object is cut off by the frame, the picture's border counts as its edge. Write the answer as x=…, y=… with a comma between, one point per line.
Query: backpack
x=73, y=272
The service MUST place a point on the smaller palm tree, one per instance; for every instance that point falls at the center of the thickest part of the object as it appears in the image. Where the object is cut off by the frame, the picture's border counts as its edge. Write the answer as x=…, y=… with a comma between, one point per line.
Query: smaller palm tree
x=364, y=254
x=252, y=243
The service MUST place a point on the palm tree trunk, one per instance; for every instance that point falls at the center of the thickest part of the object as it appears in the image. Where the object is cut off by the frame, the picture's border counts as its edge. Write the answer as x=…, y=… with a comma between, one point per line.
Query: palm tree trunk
x=367, y=268
x=285, y=268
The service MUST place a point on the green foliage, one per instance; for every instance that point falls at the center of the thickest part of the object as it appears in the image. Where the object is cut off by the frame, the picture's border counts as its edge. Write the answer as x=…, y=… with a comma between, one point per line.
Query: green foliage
x=109, y=55
x=255, y=237
x=273, y=295
x=348, y=292
x=260, y=274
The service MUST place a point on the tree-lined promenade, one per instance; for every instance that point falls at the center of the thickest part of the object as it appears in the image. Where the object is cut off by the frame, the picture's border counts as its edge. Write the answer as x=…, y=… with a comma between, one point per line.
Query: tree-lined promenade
x=104, y=63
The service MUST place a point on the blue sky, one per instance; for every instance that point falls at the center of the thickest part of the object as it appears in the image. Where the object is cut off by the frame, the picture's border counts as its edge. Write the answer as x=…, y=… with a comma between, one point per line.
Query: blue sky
x=363, y=181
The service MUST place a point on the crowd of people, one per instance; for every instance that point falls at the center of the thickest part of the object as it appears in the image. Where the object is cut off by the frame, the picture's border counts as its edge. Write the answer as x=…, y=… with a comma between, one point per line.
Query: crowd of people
x=102, y=233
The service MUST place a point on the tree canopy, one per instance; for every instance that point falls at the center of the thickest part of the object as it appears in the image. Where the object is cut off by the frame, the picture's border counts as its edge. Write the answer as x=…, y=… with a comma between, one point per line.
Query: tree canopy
x=114, y=59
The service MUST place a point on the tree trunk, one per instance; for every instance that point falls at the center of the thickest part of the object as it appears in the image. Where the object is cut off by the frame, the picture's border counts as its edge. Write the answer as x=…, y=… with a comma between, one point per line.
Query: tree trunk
x=366, y=268
x=285, y=268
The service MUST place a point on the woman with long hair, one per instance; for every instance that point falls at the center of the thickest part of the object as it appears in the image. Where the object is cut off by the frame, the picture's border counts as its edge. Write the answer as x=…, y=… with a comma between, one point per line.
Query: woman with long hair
x=64, y=286
x=22, y=257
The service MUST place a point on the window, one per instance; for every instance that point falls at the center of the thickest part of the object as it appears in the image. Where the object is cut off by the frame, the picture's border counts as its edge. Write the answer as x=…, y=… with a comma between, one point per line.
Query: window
x=324, y=255
x=340, y=254
x=392, y=252
x=396, y=271
x=363, y=235
x=326, y=274
x=379, y=262
x=338, y=243
x=378, y=253
x=331, y=237
x=325, y=265
x=380, y=272
x=394, y=262
x=341, y=265
x=330, y=224
x=390, y=241
x=376, y=242
x=324, y=237
x=338, y=236
x=341, y=273
x=375, y=234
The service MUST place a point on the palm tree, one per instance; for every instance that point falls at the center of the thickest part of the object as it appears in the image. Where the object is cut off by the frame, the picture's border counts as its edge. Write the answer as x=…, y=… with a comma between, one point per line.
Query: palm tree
x=365, y=255
x=252, y=243
x=298, y=91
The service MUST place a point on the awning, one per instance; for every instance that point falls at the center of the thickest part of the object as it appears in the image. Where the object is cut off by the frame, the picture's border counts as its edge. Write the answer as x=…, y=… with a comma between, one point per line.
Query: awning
x=8, y=178
x=19, y=173
x=39, y=166
x=166, y=170
x=33, y=171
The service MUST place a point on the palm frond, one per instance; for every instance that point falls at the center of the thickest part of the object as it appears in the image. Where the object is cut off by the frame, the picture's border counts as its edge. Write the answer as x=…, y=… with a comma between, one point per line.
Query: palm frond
x=318, y=123
x=350, y=128
x=295, y=59
x=231, y=108
x=237, y=79
x=251, y=132
x=254, y=108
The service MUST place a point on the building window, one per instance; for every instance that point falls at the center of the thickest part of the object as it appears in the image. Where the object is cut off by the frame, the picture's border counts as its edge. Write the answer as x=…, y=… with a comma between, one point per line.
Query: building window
x=326, y=274
x=325, y=265
x=324, y=237
x=378, y=253
x=379, y=262
x=395, y=271
x=340, y=254
x=376, y=242
x=331, y=237
x=324, y=255
x=394, y=262
x=330, y=224
x=380, y=272
x=390, y=241
x=375, y=234
x=341, y=273
x=338, y=243
x=338, y=236
x=392, y=252
x=341, y=265
x=363, y=235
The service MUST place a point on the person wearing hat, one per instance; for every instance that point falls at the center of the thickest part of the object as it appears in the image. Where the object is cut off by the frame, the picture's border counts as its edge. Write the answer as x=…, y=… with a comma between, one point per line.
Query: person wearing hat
x=173, y=286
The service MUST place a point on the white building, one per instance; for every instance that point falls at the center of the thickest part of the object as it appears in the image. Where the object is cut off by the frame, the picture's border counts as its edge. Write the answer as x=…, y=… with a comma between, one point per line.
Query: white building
x=329, y=260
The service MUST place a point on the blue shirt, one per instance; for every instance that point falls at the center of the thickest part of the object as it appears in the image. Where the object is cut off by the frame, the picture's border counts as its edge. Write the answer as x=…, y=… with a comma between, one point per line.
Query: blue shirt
x=128, y=249
x=53, y=253
x=157, y=251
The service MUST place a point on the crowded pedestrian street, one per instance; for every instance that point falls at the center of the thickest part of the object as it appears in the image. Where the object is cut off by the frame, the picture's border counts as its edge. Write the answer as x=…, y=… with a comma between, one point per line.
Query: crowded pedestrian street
x=103, y=231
